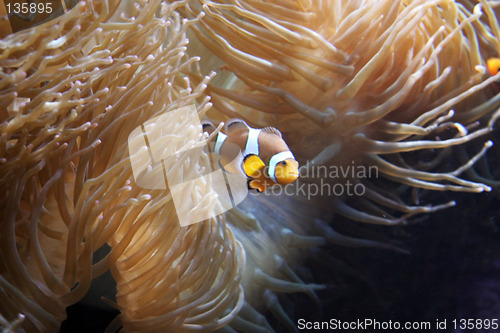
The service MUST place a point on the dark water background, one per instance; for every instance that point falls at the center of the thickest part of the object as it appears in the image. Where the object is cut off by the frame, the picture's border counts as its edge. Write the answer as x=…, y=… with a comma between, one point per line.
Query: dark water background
x=452, y=271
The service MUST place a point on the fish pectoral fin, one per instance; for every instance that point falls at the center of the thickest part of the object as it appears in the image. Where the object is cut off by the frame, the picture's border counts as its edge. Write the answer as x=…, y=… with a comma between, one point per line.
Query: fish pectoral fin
x=253, y=165
x=256, y=185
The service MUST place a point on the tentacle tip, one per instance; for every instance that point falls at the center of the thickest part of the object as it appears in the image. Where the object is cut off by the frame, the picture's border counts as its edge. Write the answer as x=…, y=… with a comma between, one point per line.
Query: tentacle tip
x=318, y=286
x=403, y=251
x=480, y=69
x=404, y=222
x=329, y=118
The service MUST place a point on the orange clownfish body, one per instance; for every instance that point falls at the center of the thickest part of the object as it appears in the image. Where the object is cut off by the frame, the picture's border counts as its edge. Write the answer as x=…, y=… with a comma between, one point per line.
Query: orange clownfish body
x=267, y=160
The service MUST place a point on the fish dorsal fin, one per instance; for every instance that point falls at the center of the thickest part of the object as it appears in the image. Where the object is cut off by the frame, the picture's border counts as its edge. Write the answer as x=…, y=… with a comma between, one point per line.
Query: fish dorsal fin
x=235, y=124
x=253, y=165
x=208, y=126
x=272, y=130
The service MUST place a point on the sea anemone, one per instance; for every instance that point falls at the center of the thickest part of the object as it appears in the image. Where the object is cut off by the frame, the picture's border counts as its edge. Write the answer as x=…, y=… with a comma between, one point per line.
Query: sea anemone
x=390, y=84
x=72, y=90
x=359, y=82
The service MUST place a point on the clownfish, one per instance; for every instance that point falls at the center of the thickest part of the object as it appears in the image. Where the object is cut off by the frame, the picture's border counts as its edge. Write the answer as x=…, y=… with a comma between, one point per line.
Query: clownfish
x=266, y=158
x=493, y=65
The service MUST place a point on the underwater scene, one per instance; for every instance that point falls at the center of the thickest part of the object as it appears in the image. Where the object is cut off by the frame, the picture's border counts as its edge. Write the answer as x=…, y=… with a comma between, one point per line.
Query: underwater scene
x=249, y=166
